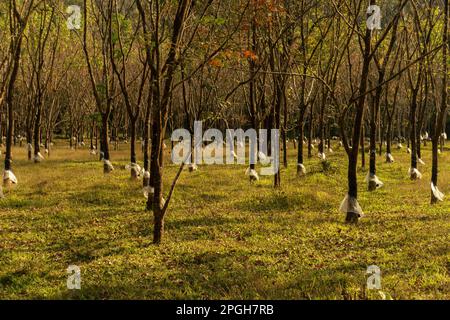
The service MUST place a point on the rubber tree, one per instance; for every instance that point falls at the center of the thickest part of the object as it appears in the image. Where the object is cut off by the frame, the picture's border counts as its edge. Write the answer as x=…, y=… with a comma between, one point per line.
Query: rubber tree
x=161, y=81
x=131, y=78
x=18, y=15
x=164, y=56
x=381, y=66
x=307, y=56
x=100, y=74
x=441, y=111
x=42, y=44
x=281, y=41
x=369, y=49
x=416, y=79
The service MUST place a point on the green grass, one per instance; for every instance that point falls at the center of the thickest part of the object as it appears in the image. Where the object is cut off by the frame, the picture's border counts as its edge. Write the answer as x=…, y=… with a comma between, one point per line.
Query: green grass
x=224, y=238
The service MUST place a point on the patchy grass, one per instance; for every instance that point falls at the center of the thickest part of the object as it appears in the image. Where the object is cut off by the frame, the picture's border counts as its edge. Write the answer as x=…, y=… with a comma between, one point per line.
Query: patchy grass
x=225, y=238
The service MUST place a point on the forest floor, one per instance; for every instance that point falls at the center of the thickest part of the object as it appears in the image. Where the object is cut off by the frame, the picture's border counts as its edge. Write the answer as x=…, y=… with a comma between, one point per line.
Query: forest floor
x=224, y=238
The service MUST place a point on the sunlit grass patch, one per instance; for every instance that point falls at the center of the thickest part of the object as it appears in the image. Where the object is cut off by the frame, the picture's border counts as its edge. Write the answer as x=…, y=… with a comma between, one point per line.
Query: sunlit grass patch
x=226, y=238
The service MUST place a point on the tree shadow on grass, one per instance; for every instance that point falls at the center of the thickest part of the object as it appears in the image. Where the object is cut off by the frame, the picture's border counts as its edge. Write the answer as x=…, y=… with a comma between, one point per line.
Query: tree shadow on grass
x=220, y=275
x=204, y=221
x=275, y=202
x=100, y=195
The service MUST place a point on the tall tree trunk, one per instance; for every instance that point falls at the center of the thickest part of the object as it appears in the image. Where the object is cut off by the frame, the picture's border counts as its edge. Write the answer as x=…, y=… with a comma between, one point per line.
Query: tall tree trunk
x=284, y=138
x=105, y=143
x=134, y=171
x=310, y=133
x=37, y=135
x=363, y=150
x=352, y=216
x=146, y=180
x=413, y=135
x=440, y=116
x=9, y=99
x=300, y=165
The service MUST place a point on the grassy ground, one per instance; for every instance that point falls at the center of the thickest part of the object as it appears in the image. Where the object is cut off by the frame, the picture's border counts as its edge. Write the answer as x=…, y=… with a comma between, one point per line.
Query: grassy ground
x=225, y=238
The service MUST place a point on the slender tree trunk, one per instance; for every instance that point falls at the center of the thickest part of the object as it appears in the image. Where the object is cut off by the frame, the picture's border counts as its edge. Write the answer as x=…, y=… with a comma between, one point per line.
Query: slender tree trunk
x=156, y=183
x=146, y=180
x=37, y=135
x=413, y=135
x=310, y=132
x=9, y=104
x=285, y=122
x=353, y=217
x=363, y=150
x=300, y=160
x=29, y=144
x=134, y=173
x=105, y=142
x=440, y=116
x=389, y=137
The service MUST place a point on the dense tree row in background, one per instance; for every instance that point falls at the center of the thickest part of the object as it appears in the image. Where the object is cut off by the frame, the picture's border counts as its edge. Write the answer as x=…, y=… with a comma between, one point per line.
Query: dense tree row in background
x=134, y=70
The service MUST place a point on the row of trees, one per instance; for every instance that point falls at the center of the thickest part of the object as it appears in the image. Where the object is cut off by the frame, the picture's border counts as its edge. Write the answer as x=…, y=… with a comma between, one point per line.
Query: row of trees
x=136, y=69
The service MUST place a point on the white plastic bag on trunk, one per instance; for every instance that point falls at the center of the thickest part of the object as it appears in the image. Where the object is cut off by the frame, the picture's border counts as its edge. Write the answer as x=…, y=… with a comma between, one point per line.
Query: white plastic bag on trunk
x=38, y=157
x=350, y=204
x=322, y=156
x=8, y=176
x=108, y=165
x=301, y=169
x=374, y=179
x=436, y=192
x=147, y=191
x=389, y=158
x=414, y=173
x=134, y=166
x=252, y=174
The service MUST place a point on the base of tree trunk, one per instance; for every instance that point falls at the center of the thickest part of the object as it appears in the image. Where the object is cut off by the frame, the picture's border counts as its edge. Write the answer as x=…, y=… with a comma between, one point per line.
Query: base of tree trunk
x=372, y=186
x=158, y=229
x=107, y=167
x=436, y=194
x=252, y=175
x=146, y=180
x=414, y=175
x=9, y=178
x=301, y=170
x=389, y=158
x=134, y=174
x=434, y=200
x=352, y=218
x=149, y=205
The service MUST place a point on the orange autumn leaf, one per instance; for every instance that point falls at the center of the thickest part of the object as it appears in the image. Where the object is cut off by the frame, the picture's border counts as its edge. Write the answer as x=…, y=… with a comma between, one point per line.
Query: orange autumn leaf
x=250, y=55
x=215, y=63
